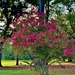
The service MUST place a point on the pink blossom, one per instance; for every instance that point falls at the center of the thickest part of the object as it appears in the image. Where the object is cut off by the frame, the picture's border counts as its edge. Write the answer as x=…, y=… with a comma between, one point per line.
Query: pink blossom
x=53, y=22
x=32, y=10
x=41, y=23
x=3, y=40
x=24, y=25
x=0, y=44
x=38, y=38
x=38, y=68
x=28, y=38
x=66, y=38
x=23, y=31
x=35, y=62
x=74, y=40
x=51, y=45
x=32, y=35
x=35, y=41
x=58, y=39
x=67, y=52
x=72, y=49
x=52, y=30
x=14, y=22
x=24, y=47
x=18, y=35
x=21, y=43
x=27, y=43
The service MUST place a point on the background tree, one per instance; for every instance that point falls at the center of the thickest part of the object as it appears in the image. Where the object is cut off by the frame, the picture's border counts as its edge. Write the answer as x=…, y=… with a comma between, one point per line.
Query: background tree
x=10, y=10
x=68, y=20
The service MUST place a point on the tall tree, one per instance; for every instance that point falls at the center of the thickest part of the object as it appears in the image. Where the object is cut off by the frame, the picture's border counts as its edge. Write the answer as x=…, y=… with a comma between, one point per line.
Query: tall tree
x=9, y=9
x=68, y=20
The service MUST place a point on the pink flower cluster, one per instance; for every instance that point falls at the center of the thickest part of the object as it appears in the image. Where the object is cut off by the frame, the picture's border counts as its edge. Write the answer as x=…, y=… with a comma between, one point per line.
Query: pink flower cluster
x=68, y=52
x=1, y=44
x=33, y=31
x=3, y=40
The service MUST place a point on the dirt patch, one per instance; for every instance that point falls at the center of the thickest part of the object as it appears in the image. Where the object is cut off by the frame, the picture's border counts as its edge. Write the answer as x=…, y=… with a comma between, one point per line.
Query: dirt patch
x=52, y=68
x=18, y=67
x=65, y=68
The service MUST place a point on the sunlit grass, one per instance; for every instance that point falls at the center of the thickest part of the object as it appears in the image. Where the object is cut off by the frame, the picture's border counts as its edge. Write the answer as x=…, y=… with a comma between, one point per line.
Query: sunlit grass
x=60, y=62
x=8, y=62
x=22, y=62
x=13, y=62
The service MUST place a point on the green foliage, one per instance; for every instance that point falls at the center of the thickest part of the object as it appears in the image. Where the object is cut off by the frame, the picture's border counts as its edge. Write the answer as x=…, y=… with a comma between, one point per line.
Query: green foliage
x=10, y=54
x=29, y=63
x=43, y=51
x=66, y=2
x=35, y=2
x=8, y=51
x=71, y=18
x=67, y=21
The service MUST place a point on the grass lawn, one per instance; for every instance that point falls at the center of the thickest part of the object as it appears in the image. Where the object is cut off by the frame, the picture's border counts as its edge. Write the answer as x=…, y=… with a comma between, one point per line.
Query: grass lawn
x=22, y=72
x=13, y=62
x=26, y=72
x=10, y=62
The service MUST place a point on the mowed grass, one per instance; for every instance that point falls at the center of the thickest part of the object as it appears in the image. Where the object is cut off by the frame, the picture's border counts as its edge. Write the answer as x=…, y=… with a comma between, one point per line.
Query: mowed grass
x=17, y=72
x=11, y=62
x=8, y=62
x=26, y=72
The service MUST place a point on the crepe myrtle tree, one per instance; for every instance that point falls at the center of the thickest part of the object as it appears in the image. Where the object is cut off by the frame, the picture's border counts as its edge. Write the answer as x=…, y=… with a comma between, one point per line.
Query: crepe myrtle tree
x=44, y=40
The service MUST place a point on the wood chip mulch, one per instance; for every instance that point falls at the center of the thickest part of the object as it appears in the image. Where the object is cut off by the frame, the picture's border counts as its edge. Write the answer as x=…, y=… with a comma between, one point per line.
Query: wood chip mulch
x=53, y=68
x=64, y=69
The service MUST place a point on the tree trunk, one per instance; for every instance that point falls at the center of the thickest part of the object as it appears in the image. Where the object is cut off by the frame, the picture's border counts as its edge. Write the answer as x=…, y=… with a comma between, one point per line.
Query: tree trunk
x=0, y=59
x=41, y=6
x=70, y=59
x=44, y=70
x=47, y=11
x=17, y=61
